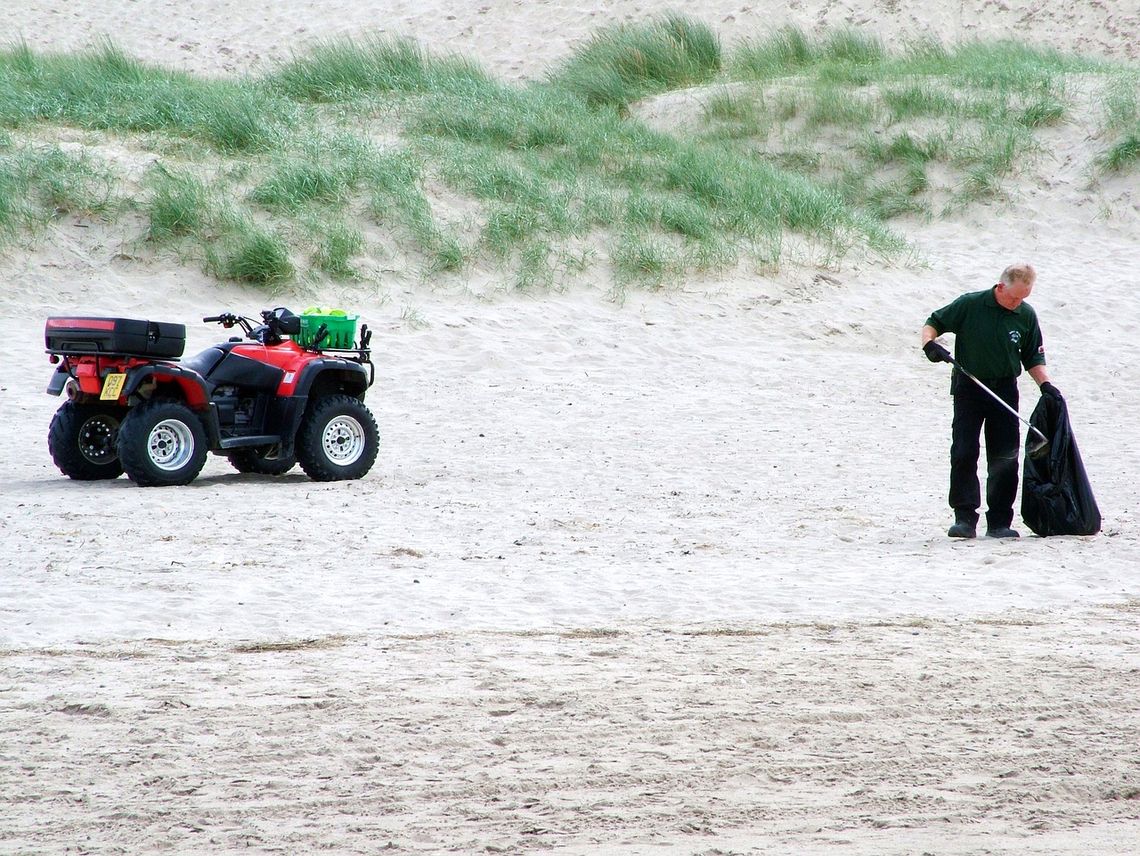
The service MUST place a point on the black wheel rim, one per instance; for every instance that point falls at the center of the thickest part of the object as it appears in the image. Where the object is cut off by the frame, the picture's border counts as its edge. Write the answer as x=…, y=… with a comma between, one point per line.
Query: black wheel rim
x=97, y=439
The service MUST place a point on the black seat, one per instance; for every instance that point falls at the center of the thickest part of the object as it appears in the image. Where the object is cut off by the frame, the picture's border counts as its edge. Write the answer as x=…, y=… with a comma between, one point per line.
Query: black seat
x=204, y=362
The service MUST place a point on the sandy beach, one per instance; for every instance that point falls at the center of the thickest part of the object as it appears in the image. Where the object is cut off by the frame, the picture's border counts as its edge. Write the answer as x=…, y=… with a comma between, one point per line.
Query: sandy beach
x=661, y=575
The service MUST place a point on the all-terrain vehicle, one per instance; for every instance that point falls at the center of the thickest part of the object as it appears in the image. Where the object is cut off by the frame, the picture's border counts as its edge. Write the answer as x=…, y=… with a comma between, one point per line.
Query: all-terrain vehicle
x=290, y=391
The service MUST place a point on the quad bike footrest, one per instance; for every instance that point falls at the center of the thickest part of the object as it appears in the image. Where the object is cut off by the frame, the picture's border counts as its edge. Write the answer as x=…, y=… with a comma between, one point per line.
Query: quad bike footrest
x=252, y=440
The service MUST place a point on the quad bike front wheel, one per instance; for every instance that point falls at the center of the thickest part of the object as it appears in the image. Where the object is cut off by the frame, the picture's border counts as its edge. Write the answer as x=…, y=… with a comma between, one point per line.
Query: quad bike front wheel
x=338, y=439
x=162, y=442
x=261, y=461
x=83, y=439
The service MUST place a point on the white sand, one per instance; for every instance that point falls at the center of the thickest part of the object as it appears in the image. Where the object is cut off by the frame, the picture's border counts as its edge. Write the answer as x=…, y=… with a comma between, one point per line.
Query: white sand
x=664, y=577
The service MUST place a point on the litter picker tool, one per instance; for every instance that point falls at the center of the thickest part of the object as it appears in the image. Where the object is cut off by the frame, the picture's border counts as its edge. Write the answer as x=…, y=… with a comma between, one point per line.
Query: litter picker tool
x=1041, y=447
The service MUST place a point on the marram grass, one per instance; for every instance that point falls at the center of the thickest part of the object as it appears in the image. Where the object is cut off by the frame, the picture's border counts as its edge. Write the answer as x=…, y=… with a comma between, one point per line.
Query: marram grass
x=804, y=141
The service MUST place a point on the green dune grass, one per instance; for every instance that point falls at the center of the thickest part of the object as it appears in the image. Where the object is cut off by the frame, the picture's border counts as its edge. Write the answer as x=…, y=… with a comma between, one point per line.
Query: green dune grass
x=378, y=149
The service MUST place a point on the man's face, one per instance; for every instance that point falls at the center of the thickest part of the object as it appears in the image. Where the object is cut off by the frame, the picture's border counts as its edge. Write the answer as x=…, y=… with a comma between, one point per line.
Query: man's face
x=1016, y=291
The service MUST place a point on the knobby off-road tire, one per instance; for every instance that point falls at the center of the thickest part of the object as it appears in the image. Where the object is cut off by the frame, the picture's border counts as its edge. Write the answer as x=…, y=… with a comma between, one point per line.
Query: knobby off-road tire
x=162, y=442
x=338, y=439
x=256, y=461
x=82, y=440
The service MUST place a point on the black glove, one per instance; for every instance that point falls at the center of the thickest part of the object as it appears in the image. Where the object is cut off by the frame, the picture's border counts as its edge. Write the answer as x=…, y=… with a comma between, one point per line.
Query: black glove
x=1050, y=390
x=936, y=353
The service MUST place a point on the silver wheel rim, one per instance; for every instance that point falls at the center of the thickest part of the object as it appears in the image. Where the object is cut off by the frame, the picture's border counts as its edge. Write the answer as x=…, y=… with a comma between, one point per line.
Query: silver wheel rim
x=97, y=439
x=170, y=445
x=343, y=441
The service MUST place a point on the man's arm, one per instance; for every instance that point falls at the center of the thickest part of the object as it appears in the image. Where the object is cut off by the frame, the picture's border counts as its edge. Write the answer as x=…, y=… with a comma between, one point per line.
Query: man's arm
x=1039, y=374
x=935, y=352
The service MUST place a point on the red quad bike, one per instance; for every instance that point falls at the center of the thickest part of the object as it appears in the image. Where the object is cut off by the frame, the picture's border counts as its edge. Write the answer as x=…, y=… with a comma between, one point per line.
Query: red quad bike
x=265, y=401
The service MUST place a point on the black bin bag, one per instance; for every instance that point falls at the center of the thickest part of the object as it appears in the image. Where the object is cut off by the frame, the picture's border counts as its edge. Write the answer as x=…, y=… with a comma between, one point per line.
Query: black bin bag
x=1056, y=498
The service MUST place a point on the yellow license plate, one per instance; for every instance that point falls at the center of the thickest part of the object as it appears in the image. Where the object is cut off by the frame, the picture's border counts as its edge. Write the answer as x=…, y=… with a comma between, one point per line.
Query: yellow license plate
x=113, y=386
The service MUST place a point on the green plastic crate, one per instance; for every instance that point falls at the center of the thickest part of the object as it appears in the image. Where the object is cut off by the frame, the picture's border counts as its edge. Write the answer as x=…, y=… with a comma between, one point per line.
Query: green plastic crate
x=341, y=327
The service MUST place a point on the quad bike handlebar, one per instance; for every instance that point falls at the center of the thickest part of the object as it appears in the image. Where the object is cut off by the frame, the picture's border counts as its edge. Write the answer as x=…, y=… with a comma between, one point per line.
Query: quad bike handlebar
x=275, y=324
x=229, y=319
x=278, y=323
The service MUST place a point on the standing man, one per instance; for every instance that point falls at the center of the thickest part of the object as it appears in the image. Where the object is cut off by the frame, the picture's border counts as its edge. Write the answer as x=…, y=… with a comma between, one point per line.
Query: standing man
x=996, y=333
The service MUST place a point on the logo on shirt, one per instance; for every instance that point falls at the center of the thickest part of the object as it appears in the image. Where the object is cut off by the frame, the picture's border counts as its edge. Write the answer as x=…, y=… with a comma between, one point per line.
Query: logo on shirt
x=1015, y=337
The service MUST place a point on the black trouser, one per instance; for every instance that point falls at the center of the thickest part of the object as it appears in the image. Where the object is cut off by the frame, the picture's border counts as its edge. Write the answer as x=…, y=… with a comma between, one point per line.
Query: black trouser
x=973, y=410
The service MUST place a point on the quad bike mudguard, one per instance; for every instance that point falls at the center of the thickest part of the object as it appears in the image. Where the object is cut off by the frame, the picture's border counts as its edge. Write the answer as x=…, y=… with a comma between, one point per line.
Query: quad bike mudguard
x=190, y=382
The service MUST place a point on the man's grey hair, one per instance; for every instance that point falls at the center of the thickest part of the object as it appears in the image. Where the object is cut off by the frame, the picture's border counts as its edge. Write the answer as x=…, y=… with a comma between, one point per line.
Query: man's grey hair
x=1020, y=272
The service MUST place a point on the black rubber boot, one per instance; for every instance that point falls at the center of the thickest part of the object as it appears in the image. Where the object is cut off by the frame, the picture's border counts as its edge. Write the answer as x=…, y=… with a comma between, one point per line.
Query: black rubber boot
x=1002, y=532
x=962, y=529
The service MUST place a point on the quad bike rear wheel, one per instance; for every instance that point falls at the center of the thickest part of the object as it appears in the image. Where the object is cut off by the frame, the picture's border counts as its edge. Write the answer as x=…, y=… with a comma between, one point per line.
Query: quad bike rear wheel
x=338, y=439
x=262, y=461
x=162, y=442
x=82, y=440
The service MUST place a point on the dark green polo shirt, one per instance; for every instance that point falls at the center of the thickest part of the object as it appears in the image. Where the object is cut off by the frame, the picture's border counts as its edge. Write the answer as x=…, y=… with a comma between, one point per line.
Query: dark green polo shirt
x=990, y=340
